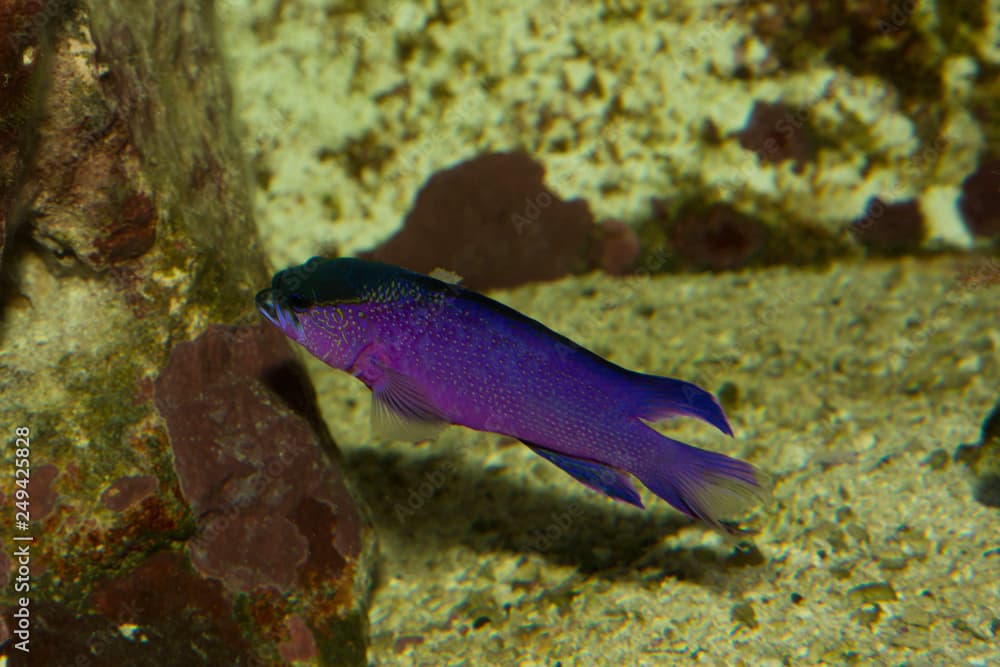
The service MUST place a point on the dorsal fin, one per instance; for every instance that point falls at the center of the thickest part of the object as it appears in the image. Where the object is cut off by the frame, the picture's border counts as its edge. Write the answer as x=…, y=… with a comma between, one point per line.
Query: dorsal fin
x=445, y=276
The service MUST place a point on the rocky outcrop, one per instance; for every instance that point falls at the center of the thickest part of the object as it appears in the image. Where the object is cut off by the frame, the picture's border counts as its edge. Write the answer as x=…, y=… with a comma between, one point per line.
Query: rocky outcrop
x=186, y=504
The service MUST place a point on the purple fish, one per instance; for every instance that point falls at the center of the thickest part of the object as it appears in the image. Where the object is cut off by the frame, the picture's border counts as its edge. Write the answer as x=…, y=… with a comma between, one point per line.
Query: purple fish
x=434, y=353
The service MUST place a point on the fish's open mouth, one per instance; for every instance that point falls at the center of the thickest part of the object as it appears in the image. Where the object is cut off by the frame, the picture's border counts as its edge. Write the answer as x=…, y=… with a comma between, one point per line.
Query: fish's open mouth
x=280, y=317
x=266, y=306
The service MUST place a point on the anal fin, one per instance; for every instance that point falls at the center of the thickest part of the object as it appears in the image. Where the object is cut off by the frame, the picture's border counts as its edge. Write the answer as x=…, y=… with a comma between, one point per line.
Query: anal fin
x=600, y=477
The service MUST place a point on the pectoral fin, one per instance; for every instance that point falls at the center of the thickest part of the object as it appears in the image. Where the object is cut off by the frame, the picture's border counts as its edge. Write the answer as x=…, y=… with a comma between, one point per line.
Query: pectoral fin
x=401, y=410
x=600, y=477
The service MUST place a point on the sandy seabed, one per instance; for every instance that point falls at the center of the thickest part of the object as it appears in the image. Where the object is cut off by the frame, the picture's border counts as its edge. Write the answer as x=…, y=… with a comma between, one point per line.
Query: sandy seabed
x=852, y=386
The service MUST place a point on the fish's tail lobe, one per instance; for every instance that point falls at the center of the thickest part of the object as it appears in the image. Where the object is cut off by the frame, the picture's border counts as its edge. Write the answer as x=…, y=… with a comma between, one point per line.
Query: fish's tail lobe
x=653, y=397
x=706, y=485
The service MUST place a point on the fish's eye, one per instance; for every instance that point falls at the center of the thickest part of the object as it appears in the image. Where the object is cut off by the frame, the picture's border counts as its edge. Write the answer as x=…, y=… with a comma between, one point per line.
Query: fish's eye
x=298, y=302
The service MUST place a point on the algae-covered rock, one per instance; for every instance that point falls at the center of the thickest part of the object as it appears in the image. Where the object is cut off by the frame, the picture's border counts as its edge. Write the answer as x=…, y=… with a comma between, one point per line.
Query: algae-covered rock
x=183, y=500
x=23, y=33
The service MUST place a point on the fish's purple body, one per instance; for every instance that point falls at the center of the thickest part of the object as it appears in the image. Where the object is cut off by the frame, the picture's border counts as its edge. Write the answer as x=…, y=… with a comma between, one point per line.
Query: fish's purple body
x=434, y=353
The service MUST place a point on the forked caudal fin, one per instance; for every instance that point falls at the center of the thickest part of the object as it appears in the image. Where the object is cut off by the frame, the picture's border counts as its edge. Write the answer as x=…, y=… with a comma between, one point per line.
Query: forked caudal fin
x=652, y=397
x=702, y=484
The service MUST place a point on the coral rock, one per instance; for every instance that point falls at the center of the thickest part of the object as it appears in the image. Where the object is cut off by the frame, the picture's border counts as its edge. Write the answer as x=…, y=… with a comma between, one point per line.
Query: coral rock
x=186, y=498
x=717, y=238
x=619, y=247
x=40, y=488
x=301, y=644
x=493, y=221
x=890, y=228
x=258, y=468
x=776, y=132
x=128, y=491
x=980, y=200
x=158, y=613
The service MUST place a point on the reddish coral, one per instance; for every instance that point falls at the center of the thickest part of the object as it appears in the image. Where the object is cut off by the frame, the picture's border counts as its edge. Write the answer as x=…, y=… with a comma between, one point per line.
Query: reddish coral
x=317, y=522
x=980, y=200
x=131, y=233
x=125, y=492
x=300, y=644
x=404, y=642
x=84, y=181
x=267, y=611
x=890, y=228
x=249, y=548
x=716, y=238
x=43, y=495
x=776, y=132
x=180, y=618
x=247, y=443
x=619, y=247
x=493, y=221
x=164, y=593
x=146, y=526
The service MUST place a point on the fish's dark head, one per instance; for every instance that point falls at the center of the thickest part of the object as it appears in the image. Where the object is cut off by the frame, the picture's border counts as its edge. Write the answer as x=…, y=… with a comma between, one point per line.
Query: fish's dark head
x=321, y=306
x=279, y=312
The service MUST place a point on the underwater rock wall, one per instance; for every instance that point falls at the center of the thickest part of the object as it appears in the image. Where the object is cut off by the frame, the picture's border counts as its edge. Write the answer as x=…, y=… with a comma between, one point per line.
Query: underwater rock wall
x=185, y=501
x=805, y=120
x=21, y=25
